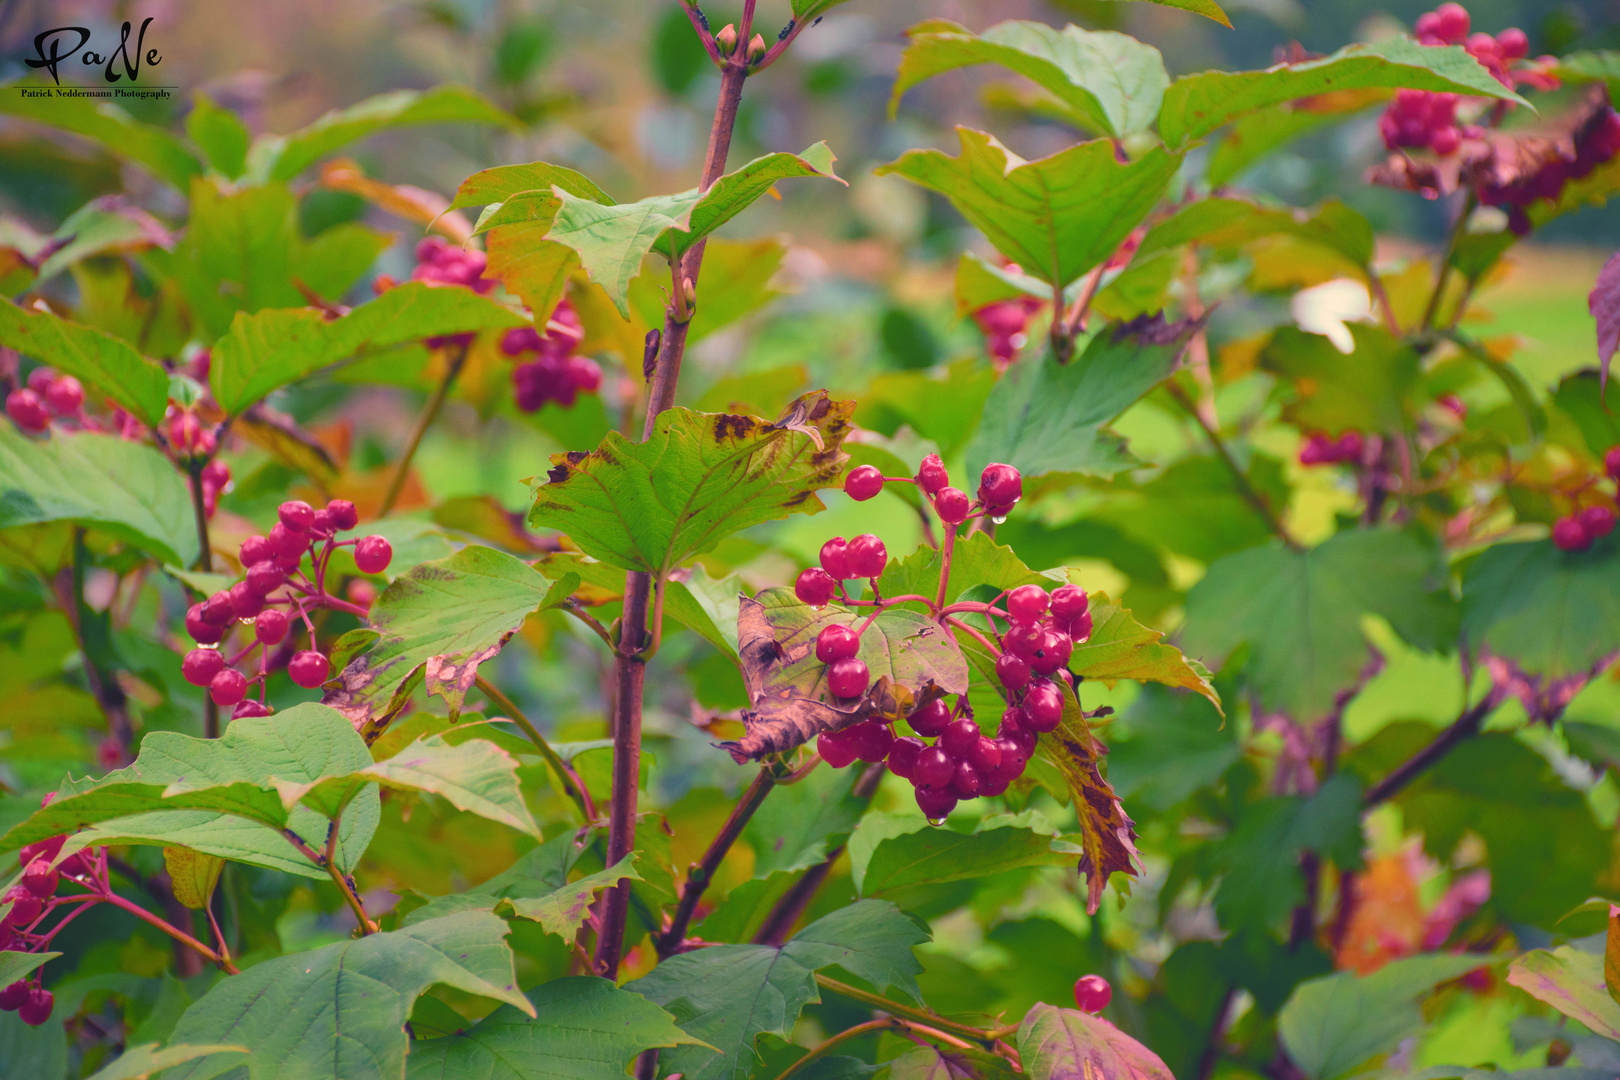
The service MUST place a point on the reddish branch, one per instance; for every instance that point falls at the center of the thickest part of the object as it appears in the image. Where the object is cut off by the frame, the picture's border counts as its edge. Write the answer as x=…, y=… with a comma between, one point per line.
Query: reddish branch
x=702, y=872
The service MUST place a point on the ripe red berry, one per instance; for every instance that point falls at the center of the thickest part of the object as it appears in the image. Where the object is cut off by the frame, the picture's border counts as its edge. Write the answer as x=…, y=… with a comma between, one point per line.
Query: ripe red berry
x=1012, y=670
x=372, y=554
x=814, y=586
x=871, y=740
x=1000, y=487
x=1092, y=993
x=256, y=549
x=25, y=907
x=14, y=996
x=40, y=878
x=46, y=849
x=1027, y=603
x=76, y=865
x=960, y=737
x=1453, y=22
x=201, y=665
x=264, y=578
x=1015, y=728
x=271, y=626
x=1043, y=705
x=250, y=709
x=308, y=669
x=984, y=755
x=201, y=630
x=1570, y=535
x=932, y=477
x=1013, y=759
x=1080, y=629
x=1597, y=521
x=1023, y=640
x=848, y=678
x=37, y=1009
x=835, y=750
x=297, y=515
x=934, y=768
x=936, y=802
x=342, y=514
x=1069, y=602
x=863, y=482
x=228, y=687
x=966, y=781
x=286, y=543
x=930, y=719
x=836, y=642
x=866, y=556
x=245, y=603
x=65, y=395
x=27, y=411
x=903, y=756
x=1611, y=463
x=952, y=505
x=1444, y=141
x=217, y=609
x=835, y=559
x=1056, y=648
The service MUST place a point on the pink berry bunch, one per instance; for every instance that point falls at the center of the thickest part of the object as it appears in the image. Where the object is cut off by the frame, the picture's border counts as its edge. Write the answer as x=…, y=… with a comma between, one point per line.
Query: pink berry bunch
x=47, y=395
x=285, y=579
x=1319, y=449
x=1000, y=488
x=1420, y=119
x=1594, y=142
x=548, y=368
x=1005, y=325
x=440, y=263
x=1584, y=527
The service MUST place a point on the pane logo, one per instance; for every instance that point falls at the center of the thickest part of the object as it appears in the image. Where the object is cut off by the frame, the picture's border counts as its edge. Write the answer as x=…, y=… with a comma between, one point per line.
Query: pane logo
x=55, y=47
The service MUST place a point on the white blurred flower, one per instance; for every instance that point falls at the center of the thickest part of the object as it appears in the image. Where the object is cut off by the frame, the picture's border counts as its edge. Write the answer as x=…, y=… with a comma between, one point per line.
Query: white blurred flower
x=1324, y=309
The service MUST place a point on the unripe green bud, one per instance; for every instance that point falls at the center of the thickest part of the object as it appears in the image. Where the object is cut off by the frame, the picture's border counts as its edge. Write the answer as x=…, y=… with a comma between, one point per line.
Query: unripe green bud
x=756, y=49
x=726, y=39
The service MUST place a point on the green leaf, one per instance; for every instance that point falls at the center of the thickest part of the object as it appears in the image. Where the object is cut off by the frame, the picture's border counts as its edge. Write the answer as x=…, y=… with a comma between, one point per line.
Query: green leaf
x=1122, y=648
x=1370, y=390
x=613, y=238
x=1056, y=217
x=193, y=875
x=160, y=153
x=1207, y=8
x=1045, y=417
x=270, y=349
x=951, y=1063
x=701, y=604
x=905, y=652
x=1261, y=856
x=16, y=965
x=1256, y=135
x=1598, y=65
x=1221, y=222
x=563, y=912
x=284, y=157
x=1554, y=613
x=442, y=619
x=1300, y=611
x=1331, y=1026
x=804, y=10
x=127, y=489
x=1193, y=507
x=99, y=227
x=899, y=865
x=1196, y=105
x=700, y=477
x=220, y=135
x=799, y=825
x=140, y=1062
x=493, y=187
x=1177, y=745
x=1109, y=83
x=729, y=995
x=1064, y=1044
x=976, y=559
x=108, y=367
x=339, y=1012
x=1571, y=981
x=582, y=1029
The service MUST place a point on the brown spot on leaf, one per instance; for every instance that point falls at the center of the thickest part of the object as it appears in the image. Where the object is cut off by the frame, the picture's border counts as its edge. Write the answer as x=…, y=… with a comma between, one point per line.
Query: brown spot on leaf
x=557, y=474
x=733, y=426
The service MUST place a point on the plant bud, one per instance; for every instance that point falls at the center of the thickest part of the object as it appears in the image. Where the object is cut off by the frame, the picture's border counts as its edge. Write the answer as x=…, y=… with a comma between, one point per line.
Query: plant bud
x=756, y=49
x=726, y=39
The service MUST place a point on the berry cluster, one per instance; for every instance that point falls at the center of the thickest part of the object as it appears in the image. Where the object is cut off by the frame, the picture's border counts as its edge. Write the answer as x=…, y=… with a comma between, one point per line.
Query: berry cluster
x=1580, y=529
x=276, y=590
x=46, y=395
x=548, y=368
x=1319, y=449
x=1000, y=488
x=1419, y=118
x=439, y=262
x=1595, y=141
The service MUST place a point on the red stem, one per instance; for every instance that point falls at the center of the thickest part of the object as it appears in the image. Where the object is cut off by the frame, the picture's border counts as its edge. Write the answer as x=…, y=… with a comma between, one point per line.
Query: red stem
x=179, y=935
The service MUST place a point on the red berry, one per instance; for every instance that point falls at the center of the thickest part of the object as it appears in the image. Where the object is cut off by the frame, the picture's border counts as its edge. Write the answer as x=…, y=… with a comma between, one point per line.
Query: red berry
x=1056, y=648
x=1513, y=44
x=1348, y=447
x=1080, y=629
x=584, y=373
x=1597, y=521
x=871, y=740
x=836, y=642
x=1092, y=992
x=216, y=610
x=960, y=737
x=46, y=849
x=271, y=626
x=848, y=678
x=1454, y=22
x=1015, y=728
x=264, y=578
x=201, y=665
x=903, y=756
x=952, y=505
x=201, y=630
x=322, y=525
x=1027, y=603
x=1445, y=141
x=14, y=996
x=1012, y=670
x=250, y=709
x=1024, y=640
x=1043, y=705
x=1611, y=463
x=936, y=802
x=308, y=669
x=27, y=411
x=372, y=554
x=25, y=907
x=984, y=755
x=934, y=767
x=1069, y=602
x=1014, y=757
x=866, y=556
x=835, y=559
x=930, y=719
x=966, y=781
x=835, y=750
x=1570, y=535
x=256, y=549
x=286, y=543
x=76, y=865
x=216, y=474
x=37, y=1009
x=1000, y=486
x=932, y=477
x=40, y=878
x=65, y=396
x=245, y=603
x=1426, y=27
x=343, y=514
x=863, y=482
x=814, y=587
x=297, y=515
x=228, y=687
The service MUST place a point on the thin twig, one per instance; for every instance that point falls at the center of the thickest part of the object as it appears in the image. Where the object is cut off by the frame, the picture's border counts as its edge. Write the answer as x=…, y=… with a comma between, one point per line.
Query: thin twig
x=1464, y=727
x=894, y=1008
x=1441, y=276
x=173, y=931
x=791, y=906
x=702, y=872
x=1250, y=493
x=345, y=886
x=580, y=793
x=430, y=412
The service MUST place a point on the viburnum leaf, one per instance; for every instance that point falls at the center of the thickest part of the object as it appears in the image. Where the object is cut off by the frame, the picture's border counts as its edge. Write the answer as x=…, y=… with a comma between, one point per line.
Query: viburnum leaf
x=1604, y=303
x=700, y=477
x=16, y=965
x=1122, y=648
x=802, y=822
x=193, y=875
x=160, y=152
x=1571, y=981
x=1330, y=395
x=559, y=908
x=813, y=9
x=1196, y=105
x=1110, y=83
x=926, y=856
x=1207, y=8
x=1553, y=613
x=1046, y=417
x=1065, y=1044
x=439, y=620
x=140, y=1062
x=339, y=1012
x=730, y=995
x=269, y=349
x=906, y=653
x=1252, y=137
x=976, y=559
x=582, y=1029
x=1221, y=221
x=1056, y=217
x=108, y=367
x=739, y=278
x=127, y=489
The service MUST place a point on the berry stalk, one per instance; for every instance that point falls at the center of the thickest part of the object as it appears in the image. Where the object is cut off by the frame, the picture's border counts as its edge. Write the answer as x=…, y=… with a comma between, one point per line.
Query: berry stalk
x=430, y=412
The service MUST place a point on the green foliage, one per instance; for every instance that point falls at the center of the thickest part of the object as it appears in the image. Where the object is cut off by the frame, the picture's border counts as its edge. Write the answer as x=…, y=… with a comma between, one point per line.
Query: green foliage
x=1553, y=613
x=107, y=366
x=1057, y=1044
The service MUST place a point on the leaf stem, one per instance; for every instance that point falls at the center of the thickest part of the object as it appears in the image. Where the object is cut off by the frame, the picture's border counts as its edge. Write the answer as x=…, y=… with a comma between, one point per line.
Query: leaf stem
x=945, y=568
x=1250, y=493
x=886, y=1024
x=1444, y=273
x=581, y=795
x=702, y=872
x=430, y=412
x=1464, y=727
x=342, y=881
x=173, y=931
x=591, y=621
x=921, y=1016
x=780, y=922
